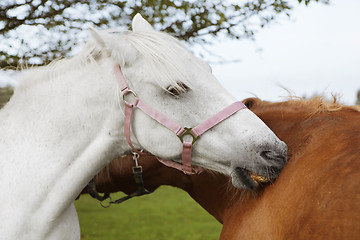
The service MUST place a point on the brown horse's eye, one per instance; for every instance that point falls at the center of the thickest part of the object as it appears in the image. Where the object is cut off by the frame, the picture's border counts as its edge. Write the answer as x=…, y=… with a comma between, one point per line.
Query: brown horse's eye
x=177, y=89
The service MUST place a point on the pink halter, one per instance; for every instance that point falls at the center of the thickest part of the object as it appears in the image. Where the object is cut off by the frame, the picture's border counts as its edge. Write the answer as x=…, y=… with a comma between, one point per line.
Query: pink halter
x=174, y=127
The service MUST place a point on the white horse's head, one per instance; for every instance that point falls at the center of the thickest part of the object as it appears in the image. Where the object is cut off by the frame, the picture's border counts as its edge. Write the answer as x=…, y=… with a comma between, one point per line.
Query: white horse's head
x=181, y=86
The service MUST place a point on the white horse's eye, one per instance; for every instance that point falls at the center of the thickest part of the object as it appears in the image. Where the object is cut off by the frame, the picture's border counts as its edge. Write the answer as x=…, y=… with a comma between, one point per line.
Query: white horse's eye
x=177, y=89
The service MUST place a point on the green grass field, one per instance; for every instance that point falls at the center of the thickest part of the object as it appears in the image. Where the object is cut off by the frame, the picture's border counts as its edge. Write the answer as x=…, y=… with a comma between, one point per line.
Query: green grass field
x=168, y=213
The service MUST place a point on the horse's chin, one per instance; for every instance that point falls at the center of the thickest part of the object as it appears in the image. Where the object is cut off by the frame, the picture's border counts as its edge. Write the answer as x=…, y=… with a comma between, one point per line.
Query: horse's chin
x=245, y=179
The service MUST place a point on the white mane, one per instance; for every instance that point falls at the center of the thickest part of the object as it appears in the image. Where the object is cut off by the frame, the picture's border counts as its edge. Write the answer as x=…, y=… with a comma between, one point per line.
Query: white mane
x=165, y=58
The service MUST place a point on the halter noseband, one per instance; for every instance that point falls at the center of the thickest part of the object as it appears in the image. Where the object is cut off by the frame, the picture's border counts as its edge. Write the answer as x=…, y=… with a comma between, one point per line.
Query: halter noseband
x=180, y=131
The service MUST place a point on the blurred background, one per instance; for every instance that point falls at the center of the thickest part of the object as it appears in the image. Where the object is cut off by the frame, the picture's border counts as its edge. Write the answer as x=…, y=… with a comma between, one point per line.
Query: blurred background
x=314, y=52
x=271, y=49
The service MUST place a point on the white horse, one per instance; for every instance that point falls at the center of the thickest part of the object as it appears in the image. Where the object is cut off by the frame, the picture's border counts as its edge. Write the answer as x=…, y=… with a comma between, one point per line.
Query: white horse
x=65, y=122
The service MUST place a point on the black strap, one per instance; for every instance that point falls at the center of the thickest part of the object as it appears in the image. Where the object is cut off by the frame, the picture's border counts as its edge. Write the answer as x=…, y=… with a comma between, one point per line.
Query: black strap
x=141, y=190
x=91, y=189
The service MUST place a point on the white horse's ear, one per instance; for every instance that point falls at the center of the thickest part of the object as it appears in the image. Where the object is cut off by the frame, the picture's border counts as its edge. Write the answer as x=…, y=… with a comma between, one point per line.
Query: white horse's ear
x=97, y=37
x=113, y=45
x=140, y=24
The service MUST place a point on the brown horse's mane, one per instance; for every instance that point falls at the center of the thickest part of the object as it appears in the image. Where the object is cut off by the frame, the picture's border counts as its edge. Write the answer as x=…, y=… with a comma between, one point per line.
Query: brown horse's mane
x=320, y=104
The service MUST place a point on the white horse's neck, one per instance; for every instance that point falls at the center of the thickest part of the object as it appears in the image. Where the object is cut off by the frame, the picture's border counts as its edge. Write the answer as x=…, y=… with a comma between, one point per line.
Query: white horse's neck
x=58, y=135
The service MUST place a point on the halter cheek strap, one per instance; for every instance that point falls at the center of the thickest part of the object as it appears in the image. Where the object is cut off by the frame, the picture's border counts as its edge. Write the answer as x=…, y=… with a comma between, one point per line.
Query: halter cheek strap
x=171, y=125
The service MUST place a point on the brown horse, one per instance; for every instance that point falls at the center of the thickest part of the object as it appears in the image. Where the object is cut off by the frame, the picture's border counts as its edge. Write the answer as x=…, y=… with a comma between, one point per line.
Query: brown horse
x=317, y=196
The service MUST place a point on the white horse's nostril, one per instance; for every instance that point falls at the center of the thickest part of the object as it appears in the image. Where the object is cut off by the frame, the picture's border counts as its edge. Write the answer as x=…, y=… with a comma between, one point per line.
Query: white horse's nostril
x=274, y=156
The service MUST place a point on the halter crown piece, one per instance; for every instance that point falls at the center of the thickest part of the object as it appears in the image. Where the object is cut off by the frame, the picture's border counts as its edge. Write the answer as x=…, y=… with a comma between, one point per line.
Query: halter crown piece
x=194, y=132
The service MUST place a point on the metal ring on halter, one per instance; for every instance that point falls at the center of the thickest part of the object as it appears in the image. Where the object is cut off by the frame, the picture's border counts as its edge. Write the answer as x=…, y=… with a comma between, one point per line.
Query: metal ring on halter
x=129, y=91
x=188, y=132
x=109, y=204
x=136, y=155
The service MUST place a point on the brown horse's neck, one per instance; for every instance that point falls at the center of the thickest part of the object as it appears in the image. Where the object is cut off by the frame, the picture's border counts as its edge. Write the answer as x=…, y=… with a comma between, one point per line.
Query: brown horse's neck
x=209, y=189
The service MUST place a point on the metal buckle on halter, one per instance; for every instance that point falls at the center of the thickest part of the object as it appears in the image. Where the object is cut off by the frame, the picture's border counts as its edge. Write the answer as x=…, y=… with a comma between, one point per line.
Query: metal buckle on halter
x=188, y=132
x=137, y=168
x=129, y=91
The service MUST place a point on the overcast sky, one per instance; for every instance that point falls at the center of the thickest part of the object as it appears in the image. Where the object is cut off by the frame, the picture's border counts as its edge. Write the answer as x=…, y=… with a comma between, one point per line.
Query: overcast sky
x=316, y=51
